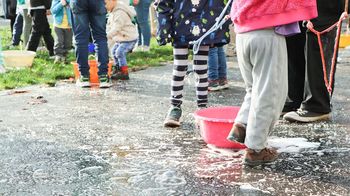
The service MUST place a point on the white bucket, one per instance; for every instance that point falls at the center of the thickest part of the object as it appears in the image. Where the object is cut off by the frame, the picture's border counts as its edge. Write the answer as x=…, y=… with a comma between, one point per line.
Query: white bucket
x=18, y=58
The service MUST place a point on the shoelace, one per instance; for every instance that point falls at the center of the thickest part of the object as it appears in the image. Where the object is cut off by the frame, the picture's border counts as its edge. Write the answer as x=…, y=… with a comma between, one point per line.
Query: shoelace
x=301, y=111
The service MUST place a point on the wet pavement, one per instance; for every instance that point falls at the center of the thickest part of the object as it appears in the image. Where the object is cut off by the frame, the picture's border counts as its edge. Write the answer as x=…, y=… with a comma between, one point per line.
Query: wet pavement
x=69, y=141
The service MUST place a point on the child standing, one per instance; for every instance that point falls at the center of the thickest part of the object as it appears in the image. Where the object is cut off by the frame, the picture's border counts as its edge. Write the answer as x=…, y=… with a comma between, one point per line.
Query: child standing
x=179, y=23
x=38, y=10
x=122, y=35
x=262, y=58
x=217, y=72
x=63, y=27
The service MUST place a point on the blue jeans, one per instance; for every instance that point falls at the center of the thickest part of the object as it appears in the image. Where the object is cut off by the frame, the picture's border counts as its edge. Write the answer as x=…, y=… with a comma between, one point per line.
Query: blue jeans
x=120, y=50
x=217, y=67
x=90, y=14
x=17, y=30
x=143, y=26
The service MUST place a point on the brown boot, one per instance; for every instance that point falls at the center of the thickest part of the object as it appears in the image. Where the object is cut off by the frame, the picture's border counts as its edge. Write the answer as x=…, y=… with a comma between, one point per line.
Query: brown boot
x=237, y=133
x=266, y=155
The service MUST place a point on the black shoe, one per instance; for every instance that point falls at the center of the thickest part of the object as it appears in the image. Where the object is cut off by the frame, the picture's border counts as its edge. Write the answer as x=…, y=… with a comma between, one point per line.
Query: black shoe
x=306, y=116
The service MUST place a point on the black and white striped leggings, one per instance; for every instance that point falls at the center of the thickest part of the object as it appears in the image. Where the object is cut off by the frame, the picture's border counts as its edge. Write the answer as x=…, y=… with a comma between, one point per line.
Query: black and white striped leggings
x=200, y=67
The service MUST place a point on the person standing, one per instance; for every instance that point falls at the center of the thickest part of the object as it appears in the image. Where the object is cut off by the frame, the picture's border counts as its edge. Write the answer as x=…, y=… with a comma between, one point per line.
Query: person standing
x=262, y=57
x=181, y=22
x=143, y=24
x=312, y=99
x=10, y=7
x=63, y=27
x=90, y=14
x=39, y=9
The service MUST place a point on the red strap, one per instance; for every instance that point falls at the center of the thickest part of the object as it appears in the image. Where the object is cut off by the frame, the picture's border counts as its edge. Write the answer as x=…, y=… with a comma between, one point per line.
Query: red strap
x=336, y=44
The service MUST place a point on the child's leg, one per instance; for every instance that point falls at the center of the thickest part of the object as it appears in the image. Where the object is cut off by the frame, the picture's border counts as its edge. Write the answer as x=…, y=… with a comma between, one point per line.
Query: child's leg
x=122, y=50
x=213, y=63
x=222, y=65
x=59, y=45
x=119, y=54
x=114, y=53
x=179, y=73
x=263, y=60
x=35, y=35
x=200, y=63
x=68, y=36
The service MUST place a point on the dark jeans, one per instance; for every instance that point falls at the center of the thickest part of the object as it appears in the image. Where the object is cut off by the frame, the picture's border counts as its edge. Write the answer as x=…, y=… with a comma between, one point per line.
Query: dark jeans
x=90, y=14
x=17, y=30
x=142, y=16
x=40, y=28
x=63, y=42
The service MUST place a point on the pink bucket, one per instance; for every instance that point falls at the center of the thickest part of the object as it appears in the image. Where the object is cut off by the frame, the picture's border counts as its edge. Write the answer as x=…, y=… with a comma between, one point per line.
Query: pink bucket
x=215, y=124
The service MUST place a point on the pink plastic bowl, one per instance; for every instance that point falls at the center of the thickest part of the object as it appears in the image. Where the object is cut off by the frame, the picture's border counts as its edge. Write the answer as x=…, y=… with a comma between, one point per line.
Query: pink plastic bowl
x=215, y=124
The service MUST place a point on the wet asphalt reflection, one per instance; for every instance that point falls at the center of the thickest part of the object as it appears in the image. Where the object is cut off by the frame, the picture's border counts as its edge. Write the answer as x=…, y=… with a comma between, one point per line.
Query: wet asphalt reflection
x=69, y=141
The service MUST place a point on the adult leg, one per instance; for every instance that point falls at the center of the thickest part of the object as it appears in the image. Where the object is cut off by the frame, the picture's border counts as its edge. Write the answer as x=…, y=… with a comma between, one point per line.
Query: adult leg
x=296, y=70
x=316, y=96
x=97, y=18
x=82, y=33
x=142, y=10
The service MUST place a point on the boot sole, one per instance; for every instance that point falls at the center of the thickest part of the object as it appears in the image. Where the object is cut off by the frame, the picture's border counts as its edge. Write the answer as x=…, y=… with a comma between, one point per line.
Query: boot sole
x=256, y=163
x=172, y=123
x=325, y=117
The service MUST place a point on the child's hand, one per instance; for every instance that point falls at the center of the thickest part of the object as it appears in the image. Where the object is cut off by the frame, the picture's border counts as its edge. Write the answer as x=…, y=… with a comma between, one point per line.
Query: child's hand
x=64, y=2
x=48, y=12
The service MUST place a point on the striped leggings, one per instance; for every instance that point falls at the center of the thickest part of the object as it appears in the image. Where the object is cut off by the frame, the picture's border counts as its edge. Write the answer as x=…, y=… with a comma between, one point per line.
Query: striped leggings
x=200, y=67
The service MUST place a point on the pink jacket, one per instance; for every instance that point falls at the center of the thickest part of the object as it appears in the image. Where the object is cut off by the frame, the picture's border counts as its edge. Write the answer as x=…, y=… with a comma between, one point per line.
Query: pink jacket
x=249, y=15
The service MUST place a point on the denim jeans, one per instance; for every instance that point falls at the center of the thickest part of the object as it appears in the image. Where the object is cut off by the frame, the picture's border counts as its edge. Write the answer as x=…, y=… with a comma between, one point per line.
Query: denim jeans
x=17, y=30
x=217, y=67
x=90, y=14
x=142, y=10
x=120, y=50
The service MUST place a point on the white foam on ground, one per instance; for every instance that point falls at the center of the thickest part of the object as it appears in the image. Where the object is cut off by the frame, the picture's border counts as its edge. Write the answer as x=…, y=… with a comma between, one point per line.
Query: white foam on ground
x=291, y=145
x=248, y=188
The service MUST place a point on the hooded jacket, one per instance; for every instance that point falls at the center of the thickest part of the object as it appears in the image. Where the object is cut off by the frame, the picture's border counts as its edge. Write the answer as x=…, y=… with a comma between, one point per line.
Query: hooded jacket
x=57, y=10
x=119, y=25
x=182, y=21
x=260, y=14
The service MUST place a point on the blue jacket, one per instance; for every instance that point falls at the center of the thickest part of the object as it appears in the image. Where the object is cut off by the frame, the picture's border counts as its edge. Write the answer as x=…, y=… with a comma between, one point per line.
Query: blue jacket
x=182, y=21
x=57, y=12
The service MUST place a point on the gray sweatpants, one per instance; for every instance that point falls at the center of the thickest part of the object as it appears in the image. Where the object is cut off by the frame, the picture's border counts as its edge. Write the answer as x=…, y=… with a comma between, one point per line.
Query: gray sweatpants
x=262, y=59
x=63, y=42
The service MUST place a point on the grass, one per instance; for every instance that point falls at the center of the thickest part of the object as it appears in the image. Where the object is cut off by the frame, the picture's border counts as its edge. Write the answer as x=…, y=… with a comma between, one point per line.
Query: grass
x=44, y=71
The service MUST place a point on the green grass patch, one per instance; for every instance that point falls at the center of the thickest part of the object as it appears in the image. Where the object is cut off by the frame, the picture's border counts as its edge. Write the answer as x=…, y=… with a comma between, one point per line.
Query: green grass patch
x=44, y=71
